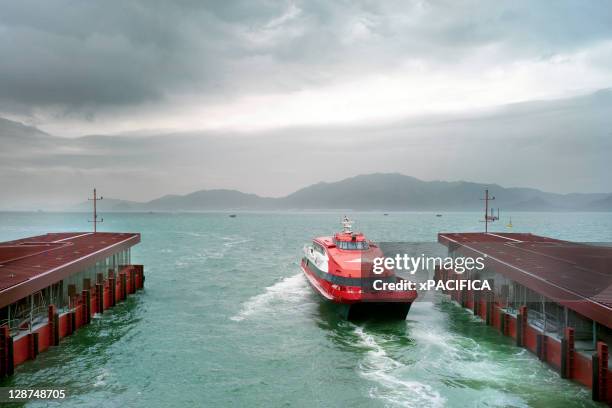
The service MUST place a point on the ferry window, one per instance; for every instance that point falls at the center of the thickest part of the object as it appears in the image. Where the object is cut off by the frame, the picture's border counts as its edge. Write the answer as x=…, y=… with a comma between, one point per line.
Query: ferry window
x=319, y=249
x=352, y=245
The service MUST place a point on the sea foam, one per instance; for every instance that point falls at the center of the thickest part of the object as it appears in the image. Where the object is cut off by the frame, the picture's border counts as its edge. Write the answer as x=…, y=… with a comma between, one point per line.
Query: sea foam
x=290, y=290
x=387, y=373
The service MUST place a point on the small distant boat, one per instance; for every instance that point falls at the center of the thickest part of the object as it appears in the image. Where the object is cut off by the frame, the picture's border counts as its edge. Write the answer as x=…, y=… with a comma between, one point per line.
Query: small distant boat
x=385, y=214
x=232, y=215
x=509, y=225
x=438, y=215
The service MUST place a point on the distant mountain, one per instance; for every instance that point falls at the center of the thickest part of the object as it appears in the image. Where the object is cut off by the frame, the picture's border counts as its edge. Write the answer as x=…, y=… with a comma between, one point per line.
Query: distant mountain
x=604, y=204
x=534, y=204
x=393, y=192
x=208, y=200
x=109, y=204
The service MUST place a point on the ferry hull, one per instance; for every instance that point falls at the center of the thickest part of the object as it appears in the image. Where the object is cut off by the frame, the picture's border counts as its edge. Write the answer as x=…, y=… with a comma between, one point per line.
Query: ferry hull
x=375, y=311
x=355, y=307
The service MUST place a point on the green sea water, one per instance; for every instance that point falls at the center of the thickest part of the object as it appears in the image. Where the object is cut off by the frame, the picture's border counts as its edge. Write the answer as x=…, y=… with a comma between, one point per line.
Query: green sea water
x=226, y=319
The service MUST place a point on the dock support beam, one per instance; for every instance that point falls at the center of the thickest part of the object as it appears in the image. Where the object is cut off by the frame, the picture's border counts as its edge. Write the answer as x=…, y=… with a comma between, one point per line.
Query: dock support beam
x=71, y=292
x=5, y=334
x=567, y=353
x=52, y=323
x=100, y=291
x=112, y=285
x=100, y=297
x=10, y=356
x=56, y=329
x=600, y=372
x=132, y=280
x=503, y=322
x=123, y=278
x=542, y=346
x=33, y=345
x=72, y=322
x=86, y=305
x=521, y=324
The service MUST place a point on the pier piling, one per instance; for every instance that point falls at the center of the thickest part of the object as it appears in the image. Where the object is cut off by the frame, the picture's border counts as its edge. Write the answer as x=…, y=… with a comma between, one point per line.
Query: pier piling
x=4, y=336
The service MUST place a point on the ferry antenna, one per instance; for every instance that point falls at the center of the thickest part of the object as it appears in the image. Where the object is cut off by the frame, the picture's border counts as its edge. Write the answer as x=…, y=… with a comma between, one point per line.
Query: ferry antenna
x=95, y=220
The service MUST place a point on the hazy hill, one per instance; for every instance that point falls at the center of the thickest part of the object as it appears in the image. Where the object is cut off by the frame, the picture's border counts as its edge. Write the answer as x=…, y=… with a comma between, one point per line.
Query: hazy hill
x=207, y=200
x=604, y=204
x=109, y=204
x=393, y=192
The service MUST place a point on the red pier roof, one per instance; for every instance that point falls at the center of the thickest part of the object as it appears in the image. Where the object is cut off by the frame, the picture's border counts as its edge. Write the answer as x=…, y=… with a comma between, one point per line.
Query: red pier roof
x=30, y=264
x=576, y=275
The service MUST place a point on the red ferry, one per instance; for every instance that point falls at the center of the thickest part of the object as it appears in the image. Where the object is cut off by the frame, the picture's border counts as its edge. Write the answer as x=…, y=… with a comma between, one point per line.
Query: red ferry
x=339, y=268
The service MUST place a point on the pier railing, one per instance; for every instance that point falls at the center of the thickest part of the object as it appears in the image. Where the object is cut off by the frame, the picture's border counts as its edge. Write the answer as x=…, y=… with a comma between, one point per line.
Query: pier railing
x=25, y=320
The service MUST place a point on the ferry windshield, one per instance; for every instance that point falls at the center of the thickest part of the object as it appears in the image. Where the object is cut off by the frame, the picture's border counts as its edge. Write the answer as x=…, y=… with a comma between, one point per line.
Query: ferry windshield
x=352, y=245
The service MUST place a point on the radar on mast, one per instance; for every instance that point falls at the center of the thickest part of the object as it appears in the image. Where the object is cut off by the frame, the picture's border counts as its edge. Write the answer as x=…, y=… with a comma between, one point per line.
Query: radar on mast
x=347, y=225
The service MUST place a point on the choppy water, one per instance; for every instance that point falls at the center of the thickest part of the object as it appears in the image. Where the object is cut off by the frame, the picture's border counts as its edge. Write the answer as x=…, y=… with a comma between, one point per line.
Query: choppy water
x=226, y=319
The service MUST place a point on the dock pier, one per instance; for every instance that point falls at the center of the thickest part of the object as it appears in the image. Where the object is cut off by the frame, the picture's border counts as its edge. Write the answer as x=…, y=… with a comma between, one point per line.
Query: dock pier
x=553, y=297
x=46, y=289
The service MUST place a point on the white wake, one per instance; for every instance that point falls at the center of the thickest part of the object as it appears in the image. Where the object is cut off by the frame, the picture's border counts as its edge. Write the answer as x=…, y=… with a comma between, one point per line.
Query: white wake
x=292, y=290
x=378, y=367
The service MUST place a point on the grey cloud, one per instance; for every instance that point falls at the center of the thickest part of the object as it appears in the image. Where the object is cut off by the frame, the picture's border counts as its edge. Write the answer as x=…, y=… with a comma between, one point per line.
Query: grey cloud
x=80, y=57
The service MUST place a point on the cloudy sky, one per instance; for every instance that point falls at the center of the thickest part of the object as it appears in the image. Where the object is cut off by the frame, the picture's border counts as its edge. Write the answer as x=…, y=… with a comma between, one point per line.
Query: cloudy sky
x=269, y=96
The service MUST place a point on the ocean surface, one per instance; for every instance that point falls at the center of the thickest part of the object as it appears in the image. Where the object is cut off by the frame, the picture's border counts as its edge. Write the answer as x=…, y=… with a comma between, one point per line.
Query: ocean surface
x=226, y=319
